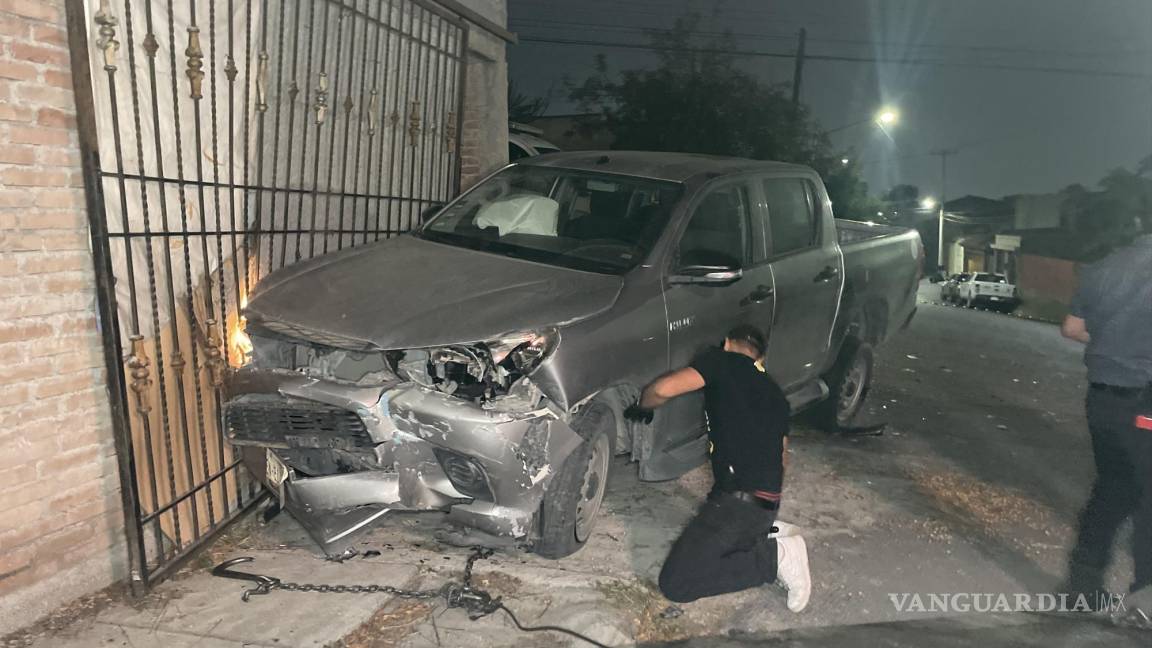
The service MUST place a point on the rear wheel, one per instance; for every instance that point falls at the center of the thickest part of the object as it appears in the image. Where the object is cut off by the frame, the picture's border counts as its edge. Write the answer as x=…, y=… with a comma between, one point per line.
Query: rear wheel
x=572, y=502
x=848, y=384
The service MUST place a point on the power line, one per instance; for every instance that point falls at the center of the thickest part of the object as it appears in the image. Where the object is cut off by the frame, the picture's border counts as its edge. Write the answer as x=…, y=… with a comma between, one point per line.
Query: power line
x=846, y=59
x=536, y=23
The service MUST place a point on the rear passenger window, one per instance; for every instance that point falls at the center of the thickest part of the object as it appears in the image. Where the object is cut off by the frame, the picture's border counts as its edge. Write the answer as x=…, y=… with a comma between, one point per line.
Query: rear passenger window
x=717, y=234
x=792, y=218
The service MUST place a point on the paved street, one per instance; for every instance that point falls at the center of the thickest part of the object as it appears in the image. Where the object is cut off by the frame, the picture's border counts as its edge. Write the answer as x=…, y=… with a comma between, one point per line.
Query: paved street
x=973, y=488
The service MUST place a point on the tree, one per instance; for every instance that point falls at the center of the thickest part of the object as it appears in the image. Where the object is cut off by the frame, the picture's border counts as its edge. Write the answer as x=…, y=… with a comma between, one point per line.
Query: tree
x=902, y=194
x=522, y=108
x=698, y=100
x=1111, y=216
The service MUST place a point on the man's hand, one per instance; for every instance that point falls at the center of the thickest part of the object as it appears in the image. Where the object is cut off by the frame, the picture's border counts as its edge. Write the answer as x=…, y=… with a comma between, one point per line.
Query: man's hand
x=638, y=414
x=1075, y=328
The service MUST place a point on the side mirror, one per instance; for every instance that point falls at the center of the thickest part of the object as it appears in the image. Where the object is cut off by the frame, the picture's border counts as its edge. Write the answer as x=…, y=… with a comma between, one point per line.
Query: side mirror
x=706, y=275
x=429, y=212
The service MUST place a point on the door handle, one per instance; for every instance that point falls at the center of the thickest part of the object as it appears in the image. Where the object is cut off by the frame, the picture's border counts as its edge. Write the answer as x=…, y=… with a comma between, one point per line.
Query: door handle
x=761, y=293
x=827, y=274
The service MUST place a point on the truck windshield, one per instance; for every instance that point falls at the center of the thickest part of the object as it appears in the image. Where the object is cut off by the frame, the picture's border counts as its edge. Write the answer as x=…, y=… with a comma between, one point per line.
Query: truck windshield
x=586, y=221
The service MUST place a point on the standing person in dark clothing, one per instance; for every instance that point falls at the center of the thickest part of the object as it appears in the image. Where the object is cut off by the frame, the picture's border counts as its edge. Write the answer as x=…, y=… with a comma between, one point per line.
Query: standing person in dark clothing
x=1112, y=315
x=726, y=547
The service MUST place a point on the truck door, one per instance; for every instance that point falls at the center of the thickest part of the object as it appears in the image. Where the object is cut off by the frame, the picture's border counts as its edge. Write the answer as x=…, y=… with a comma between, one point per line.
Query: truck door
x=807, y=266
x=718, y=234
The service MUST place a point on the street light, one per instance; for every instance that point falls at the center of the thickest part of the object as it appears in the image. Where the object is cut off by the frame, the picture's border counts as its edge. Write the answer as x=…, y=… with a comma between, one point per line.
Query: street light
x=887, y=117
x=844, y=161
x=928, y=203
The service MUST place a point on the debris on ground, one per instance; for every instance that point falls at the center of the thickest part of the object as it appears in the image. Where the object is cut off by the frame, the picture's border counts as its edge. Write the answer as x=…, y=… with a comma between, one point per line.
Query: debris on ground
x=350, y=552
x=643, y=606
x=998, y=511
x=66, y=617
x=388, y=627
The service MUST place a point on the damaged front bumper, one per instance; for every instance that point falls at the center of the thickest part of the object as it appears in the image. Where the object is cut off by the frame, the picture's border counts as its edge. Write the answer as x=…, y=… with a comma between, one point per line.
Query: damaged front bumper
x=340, y=456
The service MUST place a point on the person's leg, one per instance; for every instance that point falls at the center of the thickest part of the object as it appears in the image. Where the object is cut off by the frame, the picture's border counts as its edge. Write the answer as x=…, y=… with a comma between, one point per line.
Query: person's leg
x=1141, y=454
x=1113, y=495
x=725, y=548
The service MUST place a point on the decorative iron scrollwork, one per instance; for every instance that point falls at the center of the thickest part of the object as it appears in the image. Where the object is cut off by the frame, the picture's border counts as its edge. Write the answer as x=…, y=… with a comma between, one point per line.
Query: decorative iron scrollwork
x=450, y=132
x=262, y=83
x=107, y=41
x=151, y=46
x=293, y=91
x=348, y=105
x=372, y=99
x=230, y=68
x=195, y=61
x=322, y=99
x=138, y=364
x=413, y=123
x=215, y=353
x=177, y=361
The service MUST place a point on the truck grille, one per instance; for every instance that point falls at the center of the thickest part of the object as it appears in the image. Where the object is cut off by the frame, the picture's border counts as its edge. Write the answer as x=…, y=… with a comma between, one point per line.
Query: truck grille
x=295, y=423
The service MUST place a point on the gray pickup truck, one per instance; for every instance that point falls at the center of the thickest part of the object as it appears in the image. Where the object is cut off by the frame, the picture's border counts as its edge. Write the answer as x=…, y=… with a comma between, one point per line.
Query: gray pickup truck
x=479, y=366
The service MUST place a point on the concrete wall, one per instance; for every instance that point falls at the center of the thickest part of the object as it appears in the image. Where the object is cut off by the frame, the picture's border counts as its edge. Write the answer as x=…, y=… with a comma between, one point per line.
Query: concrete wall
x=61, y=529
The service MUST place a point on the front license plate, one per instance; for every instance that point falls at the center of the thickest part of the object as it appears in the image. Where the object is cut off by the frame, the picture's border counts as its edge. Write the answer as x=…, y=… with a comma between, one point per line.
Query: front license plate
x=275, y=472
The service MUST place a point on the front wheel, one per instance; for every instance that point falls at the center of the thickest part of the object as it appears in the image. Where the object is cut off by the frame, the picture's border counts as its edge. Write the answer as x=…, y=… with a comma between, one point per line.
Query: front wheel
x=572, y=501
x=848, y=383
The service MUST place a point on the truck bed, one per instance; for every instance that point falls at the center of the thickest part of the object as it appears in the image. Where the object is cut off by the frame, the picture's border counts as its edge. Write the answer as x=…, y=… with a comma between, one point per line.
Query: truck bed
x=882, y=269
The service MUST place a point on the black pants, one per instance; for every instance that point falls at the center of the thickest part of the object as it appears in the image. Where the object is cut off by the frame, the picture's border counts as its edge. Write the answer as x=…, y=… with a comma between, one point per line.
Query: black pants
x=1123, y=488
x=725, y=548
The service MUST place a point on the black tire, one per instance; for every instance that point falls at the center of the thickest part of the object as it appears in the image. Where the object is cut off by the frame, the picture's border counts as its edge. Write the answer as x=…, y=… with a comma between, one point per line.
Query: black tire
x=851, y=373
x=564, y=525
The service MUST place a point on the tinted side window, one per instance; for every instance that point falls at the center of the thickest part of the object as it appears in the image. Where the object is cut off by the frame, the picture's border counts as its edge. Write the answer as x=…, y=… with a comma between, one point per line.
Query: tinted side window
x=791, y=217
x=717, y=233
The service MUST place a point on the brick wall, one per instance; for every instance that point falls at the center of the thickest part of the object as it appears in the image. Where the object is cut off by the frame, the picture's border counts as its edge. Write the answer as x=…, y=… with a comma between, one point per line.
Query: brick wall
x=1046, y=286
x=60, y=524
x=484, y=133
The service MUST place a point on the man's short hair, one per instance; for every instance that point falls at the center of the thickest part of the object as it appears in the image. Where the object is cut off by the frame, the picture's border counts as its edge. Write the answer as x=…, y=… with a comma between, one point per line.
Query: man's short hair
x=751, y=336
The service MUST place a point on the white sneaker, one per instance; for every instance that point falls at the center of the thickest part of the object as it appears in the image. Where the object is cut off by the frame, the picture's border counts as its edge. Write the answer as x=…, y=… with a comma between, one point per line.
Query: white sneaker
x=784, y=529
x=792, y=570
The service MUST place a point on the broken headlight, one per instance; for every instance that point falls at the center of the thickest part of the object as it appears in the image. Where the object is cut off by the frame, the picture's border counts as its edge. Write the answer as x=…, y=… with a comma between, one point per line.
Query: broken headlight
x=523, y=351
x=478, y=372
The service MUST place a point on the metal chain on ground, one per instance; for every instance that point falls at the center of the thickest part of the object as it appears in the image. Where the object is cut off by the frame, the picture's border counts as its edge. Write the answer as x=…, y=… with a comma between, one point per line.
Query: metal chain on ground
x=477, y=603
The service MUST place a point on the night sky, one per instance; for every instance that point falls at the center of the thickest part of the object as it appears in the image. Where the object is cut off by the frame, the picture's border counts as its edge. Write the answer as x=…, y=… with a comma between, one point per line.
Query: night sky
x=1017, y=131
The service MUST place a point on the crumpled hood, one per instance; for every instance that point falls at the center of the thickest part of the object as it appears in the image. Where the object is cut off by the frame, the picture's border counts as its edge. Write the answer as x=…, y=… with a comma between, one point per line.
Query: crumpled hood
x=409, y=293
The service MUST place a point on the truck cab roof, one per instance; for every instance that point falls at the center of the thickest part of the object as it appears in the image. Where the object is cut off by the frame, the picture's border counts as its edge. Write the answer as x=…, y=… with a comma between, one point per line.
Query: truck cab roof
x=671, y=167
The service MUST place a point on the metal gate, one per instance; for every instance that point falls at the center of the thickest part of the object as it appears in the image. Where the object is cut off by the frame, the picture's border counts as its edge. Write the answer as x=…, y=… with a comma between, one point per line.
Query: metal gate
x=222, y=140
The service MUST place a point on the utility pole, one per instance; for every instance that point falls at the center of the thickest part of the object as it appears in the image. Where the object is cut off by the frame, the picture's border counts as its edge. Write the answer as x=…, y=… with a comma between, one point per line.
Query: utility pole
x=798, y=75
x=944, y=154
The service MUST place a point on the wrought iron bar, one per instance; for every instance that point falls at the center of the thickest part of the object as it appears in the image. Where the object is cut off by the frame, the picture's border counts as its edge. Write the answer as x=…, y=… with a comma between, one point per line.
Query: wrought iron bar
x=150, y=263
x=304, y=121
x=339, y=109
x=151, y=47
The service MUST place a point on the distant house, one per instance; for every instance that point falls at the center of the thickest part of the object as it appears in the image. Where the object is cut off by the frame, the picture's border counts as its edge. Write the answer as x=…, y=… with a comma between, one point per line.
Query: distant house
x=971, y=225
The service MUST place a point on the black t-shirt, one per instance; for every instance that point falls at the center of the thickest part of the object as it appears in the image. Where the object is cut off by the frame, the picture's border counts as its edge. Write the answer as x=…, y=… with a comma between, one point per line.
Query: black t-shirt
x=747, y=422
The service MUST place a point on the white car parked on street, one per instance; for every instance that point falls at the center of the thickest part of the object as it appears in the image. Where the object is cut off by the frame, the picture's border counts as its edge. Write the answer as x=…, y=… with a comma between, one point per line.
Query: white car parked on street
x=987, y=290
